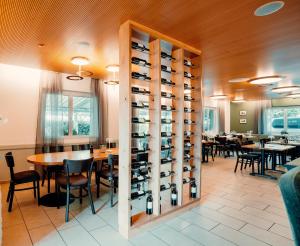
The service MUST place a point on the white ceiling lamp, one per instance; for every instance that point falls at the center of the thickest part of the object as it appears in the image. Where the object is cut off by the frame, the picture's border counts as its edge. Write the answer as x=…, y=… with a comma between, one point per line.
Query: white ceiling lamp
x=266, y=80
x=114, y=69
x=238, y=100
x=295, y=95
x=238, y=80
x=218, y=97
x=269, y=8
x=80, y=60
x=285, y=89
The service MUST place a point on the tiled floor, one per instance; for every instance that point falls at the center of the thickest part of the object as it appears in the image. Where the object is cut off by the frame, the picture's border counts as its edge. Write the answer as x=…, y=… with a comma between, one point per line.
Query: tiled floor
x=235, y=209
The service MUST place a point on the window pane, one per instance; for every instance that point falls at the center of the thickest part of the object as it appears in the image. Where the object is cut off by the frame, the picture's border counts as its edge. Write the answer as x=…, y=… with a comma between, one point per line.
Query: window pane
x=56, y=112
x=293, y=118
x=81, y=116
x=208, y=119
x=277, y=118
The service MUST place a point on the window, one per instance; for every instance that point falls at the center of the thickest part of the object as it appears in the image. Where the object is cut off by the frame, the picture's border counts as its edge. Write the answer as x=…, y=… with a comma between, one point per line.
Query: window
x=282, y=119
x=74, y=114
x=210, y=120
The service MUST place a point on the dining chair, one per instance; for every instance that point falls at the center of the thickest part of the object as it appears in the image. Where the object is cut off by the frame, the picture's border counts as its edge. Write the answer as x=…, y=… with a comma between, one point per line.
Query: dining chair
x=50, y=170
x=73, y=179
x=289, y=184
x=109, y=171
x=21, y=178
x=246, y=158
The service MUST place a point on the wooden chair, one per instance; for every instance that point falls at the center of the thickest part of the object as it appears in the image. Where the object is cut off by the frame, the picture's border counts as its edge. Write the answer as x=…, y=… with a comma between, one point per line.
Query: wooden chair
x=110, y=173
x=245, y=159
x=73, y=178
x=50, y=170
x=21, y=178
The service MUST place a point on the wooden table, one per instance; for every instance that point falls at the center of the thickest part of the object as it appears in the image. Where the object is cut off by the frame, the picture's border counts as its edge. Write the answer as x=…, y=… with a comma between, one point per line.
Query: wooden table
x=268, y=147
x=56, y=159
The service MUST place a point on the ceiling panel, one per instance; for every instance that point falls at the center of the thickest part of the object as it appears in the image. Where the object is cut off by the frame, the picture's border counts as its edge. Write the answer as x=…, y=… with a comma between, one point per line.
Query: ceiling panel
x=234, y=42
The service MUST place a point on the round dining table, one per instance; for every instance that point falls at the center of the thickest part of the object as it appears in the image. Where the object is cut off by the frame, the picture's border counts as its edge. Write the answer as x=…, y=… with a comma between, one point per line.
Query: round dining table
x=56, y=159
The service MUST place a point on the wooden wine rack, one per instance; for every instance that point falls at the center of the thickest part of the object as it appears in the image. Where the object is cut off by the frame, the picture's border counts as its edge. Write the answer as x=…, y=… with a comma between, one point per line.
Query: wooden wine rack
x=131, y=214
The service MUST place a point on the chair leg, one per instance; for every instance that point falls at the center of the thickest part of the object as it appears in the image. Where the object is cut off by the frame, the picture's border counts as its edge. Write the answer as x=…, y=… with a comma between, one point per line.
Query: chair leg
x=11, y=198
x=8, y=193
x=236, y=165
x=57, y=190
x=80, y=194
x=91, y=199
x=68, y=204
x=49, y=179
x=252, y=163
x=43, y=177
x=38, y=191
x=98, y=184
x=242, y=164
x=34, y=189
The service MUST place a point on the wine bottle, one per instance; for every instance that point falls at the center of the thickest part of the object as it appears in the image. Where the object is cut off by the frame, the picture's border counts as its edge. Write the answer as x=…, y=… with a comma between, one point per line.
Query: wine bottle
x=167, y=134
x=188, y=98
x=187, y=168
x=138, y=90
x=166, y=147
x=139, y=164
x=167, y=95
x=187, y=63
x=139, y=105
x=189, y=110
x=137, y=194
x=188, y=75
x=167, y=121
x=91, y=149
x=189, y=122
x=139, y=179
x=167, y=82
x=167, y=56
x=188, y=145
x=193, y=189
x=188, y=87
x=139, y=135
x=140, y=62
x=135, y=150
x=167, y=69
x=188, y=156
x=149, y=203
x=138, y=46
x=141, y=171
x=167, y=160
x=164, y=187
x=174, y=196
x=167, y=108
x=136, y=75
x=188, y=180
x=140, y=120
x=188, y=133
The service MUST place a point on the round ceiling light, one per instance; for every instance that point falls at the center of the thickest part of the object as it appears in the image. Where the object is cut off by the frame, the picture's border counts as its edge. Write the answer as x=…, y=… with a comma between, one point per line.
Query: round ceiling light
x=112, y=68
x=238, y=101
x=265, y=80
x=238, y=80
x=269, y=8
x=218, y=97
x=74, y=77
x=84, y=73
x=80, y=60
x=284, y=89
x=296, y=95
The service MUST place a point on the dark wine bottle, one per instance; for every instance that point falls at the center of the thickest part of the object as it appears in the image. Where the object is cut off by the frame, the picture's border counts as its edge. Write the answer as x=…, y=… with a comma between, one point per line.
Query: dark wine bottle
x=187, y=63
x=167, y=56
x=136, y=75
x=193, y=189
x=91, y=149
x=167, y=160
x=138, y=90
x=187, y=168
x=139, y=135
x=137, y=194
x=188, y=98
x=188, y=87
x=167, y=95
x=140, y=120
x=138, y=179
x=135, y=150
x=167, y=69
x=140, y=62
x=188, y=157
x=174, y=196
x=188, y=75
x=189, y=110
x=188, y=133
x=167, y=134
x=167, y=108
x=149, y=203
x=166, y=147
x=189, y=122
x=167, y=82
x=139, y=164
x=139, y=105
x=138, y=46
x=167, y=121
x=164, y=187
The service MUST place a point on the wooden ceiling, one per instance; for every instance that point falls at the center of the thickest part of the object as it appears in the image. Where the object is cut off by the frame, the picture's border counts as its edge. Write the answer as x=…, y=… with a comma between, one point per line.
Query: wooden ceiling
x=234, y=42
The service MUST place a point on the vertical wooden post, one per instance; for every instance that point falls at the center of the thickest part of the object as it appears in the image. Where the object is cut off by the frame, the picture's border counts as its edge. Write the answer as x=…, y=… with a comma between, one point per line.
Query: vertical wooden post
x=124, y=211
x=155, y=127
x=179, y=118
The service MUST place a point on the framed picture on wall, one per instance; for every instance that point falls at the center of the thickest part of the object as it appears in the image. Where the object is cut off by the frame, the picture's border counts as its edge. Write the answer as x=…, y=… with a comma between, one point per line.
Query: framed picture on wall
x=243, y=112
x=243, y=121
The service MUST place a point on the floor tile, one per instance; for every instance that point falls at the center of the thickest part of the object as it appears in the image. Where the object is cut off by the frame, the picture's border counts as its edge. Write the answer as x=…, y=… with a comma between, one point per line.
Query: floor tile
x=236, y=236
x=147, y=239
x=265, y=236
x=204, y=237
x=9, y=237
x=46, y=236
x=282, y=231
x=177, y=223
x=90, y=221
x=194, y=218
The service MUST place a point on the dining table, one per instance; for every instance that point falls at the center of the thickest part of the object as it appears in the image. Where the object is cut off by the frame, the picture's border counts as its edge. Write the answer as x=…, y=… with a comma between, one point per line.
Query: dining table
x=56, y=160
x=273, y=149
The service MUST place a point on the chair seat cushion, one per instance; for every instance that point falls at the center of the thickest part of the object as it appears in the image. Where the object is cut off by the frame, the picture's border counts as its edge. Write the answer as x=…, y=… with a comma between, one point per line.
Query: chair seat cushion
x=75, y=180
x=26, y=176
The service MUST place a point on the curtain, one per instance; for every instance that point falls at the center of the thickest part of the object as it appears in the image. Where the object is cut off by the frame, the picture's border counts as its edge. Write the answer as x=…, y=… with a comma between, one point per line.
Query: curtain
x=261, y=108
x=50, y=126
x=221, y=106
x=98, y=113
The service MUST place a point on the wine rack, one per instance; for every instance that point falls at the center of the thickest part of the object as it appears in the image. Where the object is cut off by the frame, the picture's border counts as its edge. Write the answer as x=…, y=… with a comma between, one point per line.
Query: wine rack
x=160, y=126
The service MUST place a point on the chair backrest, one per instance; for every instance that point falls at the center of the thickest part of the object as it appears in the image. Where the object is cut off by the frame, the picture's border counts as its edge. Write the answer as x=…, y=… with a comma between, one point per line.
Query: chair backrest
x=111, y=145
x=113, y=160
x=84, y=146
x=78, y=166
x=75, y=147
x=289, y=184
x=57, y=148
x=10, y=163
